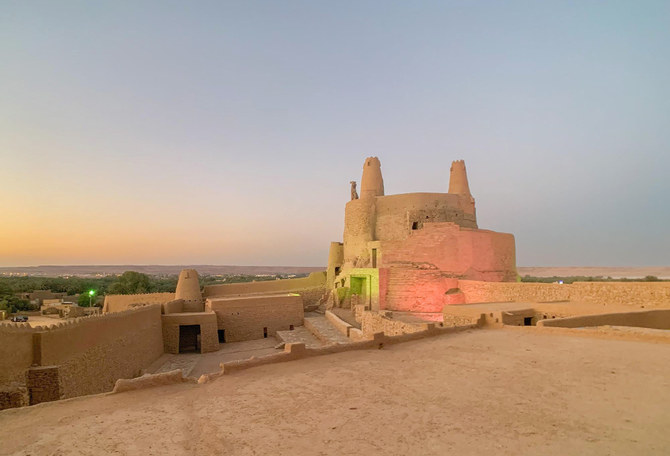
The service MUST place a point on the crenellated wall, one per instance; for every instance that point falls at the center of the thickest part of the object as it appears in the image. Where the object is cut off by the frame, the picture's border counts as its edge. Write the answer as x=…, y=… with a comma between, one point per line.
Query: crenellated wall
x=94, y=352
x=89, y=354
x=16, y=351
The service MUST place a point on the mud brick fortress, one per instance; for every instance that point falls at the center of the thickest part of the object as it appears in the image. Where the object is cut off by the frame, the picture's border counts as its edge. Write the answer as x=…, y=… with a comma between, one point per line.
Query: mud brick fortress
x=409, y=264
x=408, y=252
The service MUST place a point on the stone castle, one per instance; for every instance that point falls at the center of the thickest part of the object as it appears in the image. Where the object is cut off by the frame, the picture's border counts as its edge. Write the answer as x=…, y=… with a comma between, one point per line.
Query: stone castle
x=407, y=252
x=414, y=263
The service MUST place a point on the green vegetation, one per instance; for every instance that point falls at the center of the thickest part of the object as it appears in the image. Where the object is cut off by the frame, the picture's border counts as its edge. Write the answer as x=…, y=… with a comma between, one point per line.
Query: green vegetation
x=130, y=282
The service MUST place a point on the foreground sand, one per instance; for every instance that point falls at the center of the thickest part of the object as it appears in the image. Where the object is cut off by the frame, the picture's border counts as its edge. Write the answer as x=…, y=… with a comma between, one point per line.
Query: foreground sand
x=480, y=392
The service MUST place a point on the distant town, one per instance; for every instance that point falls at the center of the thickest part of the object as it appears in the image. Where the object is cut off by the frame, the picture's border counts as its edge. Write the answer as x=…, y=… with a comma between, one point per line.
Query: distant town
x=97, y=271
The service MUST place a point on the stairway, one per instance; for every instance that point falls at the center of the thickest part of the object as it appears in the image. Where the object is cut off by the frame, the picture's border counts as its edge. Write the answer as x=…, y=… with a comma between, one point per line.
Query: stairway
x=324, y=331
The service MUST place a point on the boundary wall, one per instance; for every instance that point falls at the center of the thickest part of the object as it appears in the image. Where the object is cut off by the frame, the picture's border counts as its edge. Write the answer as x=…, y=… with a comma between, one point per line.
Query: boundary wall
x=295, y=351
x=245, y=317
x=16, y=351
x=119, y=303
x=654, y=319
x=80, y=357
x=311, y=288
x=614, y=294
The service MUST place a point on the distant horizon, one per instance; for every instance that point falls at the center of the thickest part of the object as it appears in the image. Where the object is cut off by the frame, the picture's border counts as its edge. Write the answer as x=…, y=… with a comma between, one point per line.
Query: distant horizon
x=310, y=266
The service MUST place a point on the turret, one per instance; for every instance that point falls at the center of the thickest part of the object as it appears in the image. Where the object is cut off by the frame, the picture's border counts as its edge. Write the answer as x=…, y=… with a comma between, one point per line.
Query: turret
x=458, y=180
x=188, y=289
x=458, y=185
x=335, y=262
x=372, y=183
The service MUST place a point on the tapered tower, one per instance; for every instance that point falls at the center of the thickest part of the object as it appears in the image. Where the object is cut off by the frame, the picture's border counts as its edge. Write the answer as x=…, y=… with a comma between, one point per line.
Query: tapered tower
x=188, y=289
x=372, y=183
x=458, y=179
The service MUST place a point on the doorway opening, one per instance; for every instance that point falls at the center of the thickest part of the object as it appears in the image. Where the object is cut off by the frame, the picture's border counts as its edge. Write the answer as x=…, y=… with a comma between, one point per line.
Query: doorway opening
x=222, y=336
x=265, y=333
x=189, y=338
x=528, y=321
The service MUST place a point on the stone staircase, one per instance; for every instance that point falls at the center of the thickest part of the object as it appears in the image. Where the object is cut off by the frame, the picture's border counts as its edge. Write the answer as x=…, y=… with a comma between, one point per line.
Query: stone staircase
x=298, y=335
x=324, y=331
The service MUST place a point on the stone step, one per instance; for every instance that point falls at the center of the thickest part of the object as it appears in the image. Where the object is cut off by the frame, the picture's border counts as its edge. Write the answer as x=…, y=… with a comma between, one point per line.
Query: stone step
x=299, y=335
x=324, y=331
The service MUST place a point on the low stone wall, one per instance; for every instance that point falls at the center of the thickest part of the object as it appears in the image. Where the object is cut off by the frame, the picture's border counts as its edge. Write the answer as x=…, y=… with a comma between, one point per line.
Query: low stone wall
x=339, y=324
x=150, y=381
x=13, y=395
x=615, y=294
x=299, y=351
x=655, y=319
x=119, y=303
x=379, y=322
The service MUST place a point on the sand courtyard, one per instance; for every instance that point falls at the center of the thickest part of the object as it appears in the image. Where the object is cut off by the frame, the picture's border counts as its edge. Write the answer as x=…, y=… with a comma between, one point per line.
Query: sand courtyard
x=477, y=392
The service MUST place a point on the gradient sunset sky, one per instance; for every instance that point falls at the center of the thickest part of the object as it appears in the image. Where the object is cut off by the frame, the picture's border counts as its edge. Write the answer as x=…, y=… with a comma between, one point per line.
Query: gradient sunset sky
x=136, y=132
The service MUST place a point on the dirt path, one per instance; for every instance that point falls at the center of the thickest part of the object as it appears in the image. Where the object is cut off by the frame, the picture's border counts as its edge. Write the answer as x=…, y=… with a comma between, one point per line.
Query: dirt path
x=481, y=392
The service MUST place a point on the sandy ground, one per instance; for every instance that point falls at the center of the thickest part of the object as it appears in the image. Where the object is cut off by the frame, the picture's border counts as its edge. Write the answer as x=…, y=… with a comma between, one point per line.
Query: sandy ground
x=41, y=320
x=483, y=392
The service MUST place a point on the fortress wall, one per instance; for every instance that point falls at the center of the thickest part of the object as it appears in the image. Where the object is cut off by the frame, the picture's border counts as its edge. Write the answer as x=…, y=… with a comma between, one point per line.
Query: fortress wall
x=244, y=318
x=461, y=252
x=119, y=303
x=93, y=352
x=655, y=319
x=16, y=351
x=414, y=290
x=311, y=288
x=614, y=294
x=395, y=214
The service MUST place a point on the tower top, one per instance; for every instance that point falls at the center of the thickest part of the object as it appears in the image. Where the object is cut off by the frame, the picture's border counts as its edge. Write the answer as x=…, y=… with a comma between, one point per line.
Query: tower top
x=458, y=179
x=372, y=183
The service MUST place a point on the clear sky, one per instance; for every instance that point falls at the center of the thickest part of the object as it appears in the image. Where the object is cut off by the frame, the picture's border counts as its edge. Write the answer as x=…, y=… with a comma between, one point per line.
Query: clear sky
x=175, y=132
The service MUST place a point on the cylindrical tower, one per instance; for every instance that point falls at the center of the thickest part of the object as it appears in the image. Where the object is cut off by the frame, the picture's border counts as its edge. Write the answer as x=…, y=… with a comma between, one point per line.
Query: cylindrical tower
x=335, y=262
x=458, y=185
x=458, y=179
x=188, y=289
x=359, y=229
x=372, y=183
